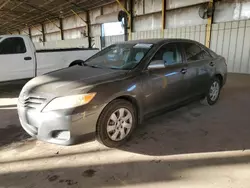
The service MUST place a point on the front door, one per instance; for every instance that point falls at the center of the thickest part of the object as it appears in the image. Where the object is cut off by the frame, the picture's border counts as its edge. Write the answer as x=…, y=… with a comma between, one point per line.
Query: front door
x=165, y=86
x=15, y=60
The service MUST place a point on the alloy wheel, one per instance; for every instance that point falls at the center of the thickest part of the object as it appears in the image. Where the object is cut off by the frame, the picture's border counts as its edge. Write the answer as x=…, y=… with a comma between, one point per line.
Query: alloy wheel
x=214, y=91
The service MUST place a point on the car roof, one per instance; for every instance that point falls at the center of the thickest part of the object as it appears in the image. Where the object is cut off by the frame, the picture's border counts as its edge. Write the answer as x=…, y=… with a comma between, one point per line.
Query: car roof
x=157, y=41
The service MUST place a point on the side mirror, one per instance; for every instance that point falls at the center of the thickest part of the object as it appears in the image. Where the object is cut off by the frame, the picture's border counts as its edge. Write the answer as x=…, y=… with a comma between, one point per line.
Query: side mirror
x=157, y=64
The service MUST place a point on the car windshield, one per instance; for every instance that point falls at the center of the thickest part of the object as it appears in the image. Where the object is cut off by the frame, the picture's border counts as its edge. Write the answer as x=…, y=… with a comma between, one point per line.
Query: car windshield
x=120, y=56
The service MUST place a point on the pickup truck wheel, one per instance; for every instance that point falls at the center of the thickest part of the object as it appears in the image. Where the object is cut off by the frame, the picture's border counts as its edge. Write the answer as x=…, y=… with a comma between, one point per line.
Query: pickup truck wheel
x=213, y=93
x=116, y=123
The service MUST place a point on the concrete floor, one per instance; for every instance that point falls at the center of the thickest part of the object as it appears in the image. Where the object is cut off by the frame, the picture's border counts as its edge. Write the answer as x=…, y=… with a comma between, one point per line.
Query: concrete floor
x=195, y=146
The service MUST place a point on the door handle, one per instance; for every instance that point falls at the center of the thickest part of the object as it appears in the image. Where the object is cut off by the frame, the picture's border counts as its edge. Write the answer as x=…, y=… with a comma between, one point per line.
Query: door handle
x=211, y=64
x=184, y=70
x=27, y=58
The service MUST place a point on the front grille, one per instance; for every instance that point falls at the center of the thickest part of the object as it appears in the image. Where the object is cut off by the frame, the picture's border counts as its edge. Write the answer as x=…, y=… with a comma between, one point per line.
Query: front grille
x=33, y=102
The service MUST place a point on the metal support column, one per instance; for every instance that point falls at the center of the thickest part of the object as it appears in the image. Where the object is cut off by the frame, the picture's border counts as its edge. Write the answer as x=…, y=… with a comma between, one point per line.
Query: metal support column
x=43, y=33
x=209, y=24
x=61, y=28
x=163, y=19
x=30, y=33
x=125, y=24
x=89, y=30
x=131, y=19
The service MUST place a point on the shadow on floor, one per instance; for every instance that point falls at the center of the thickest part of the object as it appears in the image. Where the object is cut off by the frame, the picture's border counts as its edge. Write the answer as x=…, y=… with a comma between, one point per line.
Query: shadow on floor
x=10, y=128
x=11, y=89
x=120, y=174
x=12, y=134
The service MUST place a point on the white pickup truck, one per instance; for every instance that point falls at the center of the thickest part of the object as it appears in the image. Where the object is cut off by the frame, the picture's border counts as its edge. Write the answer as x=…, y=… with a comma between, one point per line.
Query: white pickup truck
x=20, y=60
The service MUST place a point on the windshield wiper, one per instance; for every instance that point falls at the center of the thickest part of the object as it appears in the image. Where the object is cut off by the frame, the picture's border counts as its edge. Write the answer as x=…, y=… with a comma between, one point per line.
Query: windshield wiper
x=115, y=68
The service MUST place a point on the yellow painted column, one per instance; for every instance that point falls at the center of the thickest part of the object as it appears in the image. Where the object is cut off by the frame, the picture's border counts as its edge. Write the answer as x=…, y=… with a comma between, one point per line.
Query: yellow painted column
x=129, y=18
x=209, y=25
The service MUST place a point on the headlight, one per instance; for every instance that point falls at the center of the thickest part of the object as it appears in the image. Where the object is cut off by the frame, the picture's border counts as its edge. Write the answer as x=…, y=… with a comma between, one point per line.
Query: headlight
x=69, y=102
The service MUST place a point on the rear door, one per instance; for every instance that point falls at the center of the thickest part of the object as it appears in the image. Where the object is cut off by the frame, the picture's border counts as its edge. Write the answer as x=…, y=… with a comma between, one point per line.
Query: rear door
x=16, y=60
x=197, y=75
x=164, y=87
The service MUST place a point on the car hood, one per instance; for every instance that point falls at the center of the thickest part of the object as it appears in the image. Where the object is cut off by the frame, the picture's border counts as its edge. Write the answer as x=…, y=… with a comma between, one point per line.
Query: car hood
x=72, y=80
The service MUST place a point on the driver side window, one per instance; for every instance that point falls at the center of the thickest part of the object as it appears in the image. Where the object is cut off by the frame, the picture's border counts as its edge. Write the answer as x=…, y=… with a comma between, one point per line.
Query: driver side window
x=168, y=53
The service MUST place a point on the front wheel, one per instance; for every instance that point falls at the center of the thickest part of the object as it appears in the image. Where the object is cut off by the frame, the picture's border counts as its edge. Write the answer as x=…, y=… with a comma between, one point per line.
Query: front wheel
x=116, y=123
x=213, y=93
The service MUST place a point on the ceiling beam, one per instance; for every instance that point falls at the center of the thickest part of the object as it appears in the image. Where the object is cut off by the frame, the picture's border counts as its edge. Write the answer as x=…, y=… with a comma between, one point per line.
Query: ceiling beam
x=4, y=3
x=16, y=12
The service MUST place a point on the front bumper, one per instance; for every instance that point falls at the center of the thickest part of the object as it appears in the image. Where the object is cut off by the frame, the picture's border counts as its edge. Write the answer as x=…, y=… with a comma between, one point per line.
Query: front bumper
x=57, y=127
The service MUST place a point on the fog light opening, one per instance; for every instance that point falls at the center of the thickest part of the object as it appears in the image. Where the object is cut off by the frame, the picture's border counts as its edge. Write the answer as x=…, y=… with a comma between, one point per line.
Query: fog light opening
x=61, y=134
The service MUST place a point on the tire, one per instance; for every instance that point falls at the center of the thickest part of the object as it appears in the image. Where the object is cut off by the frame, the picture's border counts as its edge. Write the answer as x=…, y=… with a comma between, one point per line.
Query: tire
x=106, y=123
x=211, y=100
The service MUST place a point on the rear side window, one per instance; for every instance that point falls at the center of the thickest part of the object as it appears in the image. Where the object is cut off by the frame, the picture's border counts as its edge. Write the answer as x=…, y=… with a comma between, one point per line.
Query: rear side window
x=194, y=52
x=14, y=45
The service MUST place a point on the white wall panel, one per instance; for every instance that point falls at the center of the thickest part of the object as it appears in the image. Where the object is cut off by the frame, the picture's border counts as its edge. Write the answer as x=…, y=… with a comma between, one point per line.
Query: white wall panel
x=239, y=46
x=245, y=61
x=93, y=14
x=52, y=36
x=50, y=27
x=192, y=32
x=95, y=30
x=231, y=10
x=147, y=22
x=74, y=33
x=36, y=30
x=230, y=39
x=97, y=42
x=74, y=21
x=36, y=38
x=153, y=6
x=146, y=34
x=196, y=33
x=138, y=7
x=113, y=39
x=172, y=4
x=114, y=7
x=184, y=17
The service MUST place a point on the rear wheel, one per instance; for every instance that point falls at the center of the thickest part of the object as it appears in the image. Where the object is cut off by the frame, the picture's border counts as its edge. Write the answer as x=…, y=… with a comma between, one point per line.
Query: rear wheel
x=213, y=93
x=116, y=123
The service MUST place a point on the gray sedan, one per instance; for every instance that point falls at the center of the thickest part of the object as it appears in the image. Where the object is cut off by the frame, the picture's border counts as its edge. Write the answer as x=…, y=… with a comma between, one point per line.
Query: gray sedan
x=113, y=91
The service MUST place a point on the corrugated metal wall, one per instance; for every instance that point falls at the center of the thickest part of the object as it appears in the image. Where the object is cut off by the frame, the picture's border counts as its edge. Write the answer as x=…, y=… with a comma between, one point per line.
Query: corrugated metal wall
x=197, y=33
x=231, y=40
x=146, y=34
x=108, y=40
